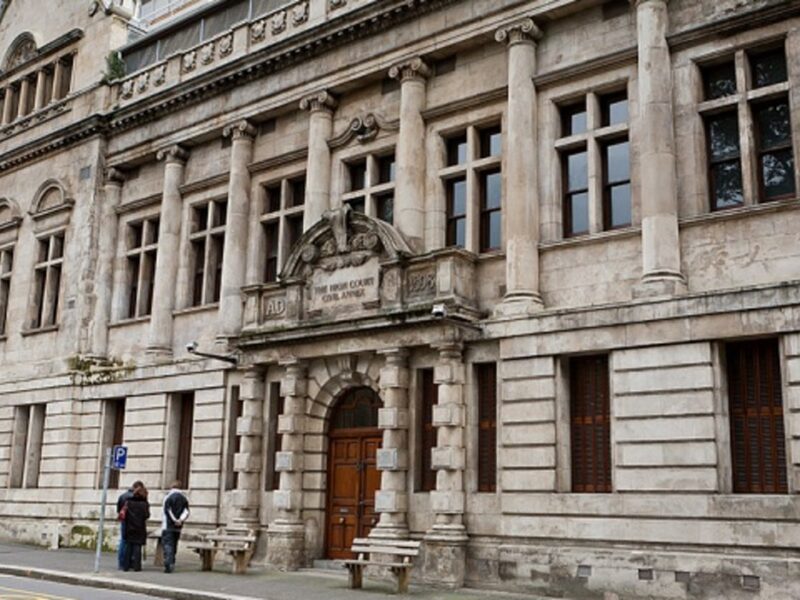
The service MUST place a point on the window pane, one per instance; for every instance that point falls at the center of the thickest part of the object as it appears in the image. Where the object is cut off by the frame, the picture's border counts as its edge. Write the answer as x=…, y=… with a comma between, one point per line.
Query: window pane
x=386, y=169
x=357, y=205
x=773, y=125
x=620, y=205
x=295, y=230
x=719, y=80
x=225, y=19
x=723, y=137
x=615, y=109
x=577, y=171
x=56, y=247
x=200, y=218
x=491, y=142
x=494, y=238
x=492, y=190
x=220, y=213
x=579, y=207
x=726, y=184
x=458, y=197
x=460, y=233
x=385, y=208
x=273, y=201
x=618, y=162
x=777, y=172
x=573, y=119
x=180, y=40
x=457, y=150
x=768, y=68
x=358, y=175
x=297, y=192
x=135, y=235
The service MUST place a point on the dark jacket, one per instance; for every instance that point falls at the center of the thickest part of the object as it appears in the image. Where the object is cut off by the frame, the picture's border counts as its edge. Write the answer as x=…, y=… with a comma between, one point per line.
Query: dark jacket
x=176, y=507
x=123, y=498
x=136, y=520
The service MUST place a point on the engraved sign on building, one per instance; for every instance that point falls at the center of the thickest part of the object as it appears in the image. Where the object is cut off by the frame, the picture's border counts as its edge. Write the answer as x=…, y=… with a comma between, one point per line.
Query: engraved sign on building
x=345, y=288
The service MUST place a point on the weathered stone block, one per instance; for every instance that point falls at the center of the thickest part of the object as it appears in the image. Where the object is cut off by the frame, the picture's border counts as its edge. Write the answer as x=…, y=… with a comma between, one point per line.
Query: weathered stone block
x=393, y=418
x=451, y=415
x=448, y=458
x=288, y=461
x=246, y=463
x=447, y=502
x=287, y=500
x=293, y=386
x=392, y=459
x=249, y=426
x=393, y=377
x=288, y=424
x=390, y=501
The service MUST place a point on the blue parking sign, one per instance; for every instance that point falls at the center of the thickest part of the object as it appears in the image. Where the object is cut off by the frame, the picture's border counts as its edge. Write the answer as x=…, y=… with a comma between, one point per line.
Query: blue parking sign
x=119, y=457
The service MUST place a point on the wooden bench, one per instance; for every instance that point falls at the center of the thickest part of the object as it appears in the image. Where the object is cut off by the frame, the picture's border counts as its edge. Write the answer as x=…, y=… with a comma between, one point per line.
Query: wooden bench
x=158, y=555
x=239, y=542
x=402, y=555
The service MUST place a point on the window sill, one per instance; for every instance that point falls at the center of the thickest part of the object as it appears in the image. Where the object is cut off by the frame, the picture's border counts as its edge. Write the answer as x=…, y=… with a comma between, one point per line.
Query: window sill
x=195, y=309
x=47, y=329
x=131, y=321
x=739, y=212
x=592, y=238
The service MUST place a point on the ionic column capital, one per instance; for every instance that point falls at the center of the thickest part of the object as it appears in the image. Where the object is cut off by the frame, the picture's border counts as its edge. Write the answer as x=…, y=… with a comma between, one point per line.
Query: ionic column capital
x=321, y=101
x=414, y=69
x=114, y=176
x=241, y=129
x=395, y=356
x=173, y=154
x=524, y=31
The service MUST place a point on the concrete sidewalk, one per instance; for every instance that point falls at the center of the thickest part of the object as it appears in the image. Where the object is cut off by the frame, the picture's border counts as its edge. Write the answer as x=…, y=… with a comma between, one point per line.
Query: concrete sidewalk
x=189, y=583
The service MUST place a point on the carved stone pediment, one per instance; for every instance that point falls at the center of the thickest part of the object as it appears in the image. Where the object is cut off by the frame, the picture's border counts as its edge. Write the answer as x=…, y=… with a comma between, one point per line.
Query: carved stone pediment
x=341, y=239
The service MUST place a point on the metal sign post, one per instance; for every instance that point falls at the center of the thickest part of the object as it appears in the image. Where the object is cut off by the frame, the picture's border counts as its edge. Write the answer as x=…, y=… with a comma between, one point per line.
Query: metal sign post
x=103, y=499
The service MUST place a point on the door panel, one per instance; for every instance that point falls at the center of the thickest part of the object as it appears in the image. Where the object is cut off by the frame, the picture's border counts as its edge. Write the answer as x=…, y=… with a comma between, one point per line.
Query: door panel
x=370, y=483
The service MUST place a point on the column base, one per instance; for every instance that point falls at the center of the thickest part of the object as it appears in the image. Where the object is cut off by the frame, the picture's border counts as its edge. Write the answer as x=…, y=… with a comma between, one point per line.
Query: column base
x=661, y=284
x=445, y=557
x=389, y=531
x=158, y=354
x=519, y=304
x=224, y=343
x=286, y=545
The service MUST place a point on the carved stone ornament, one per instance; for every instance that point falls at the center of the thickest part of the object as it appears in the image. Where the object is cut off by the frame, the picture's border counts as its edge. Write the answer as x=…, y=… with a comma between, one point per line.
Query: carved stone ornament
x=142, y=82
x=240, y=130
x=159, y=74
x=23, y=50
x=258, y=30
x=414, y=69
x=126, y=89
x=343, y=238
x=319, y=101
x=10, y=214
x=363, y=129
x=114, y=176
x=207, y=53
x=300, y=13
x=174, y=153
x=189, y=61
x=334, y=4
x=225, y=44
x=523, y=31
x=278, y=22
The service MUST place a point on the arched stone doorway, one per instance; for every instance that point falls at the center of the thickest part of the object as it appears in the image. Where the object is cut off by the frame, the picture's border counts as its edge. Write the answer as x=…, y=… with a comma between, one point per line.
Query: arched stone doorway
x=353, y=479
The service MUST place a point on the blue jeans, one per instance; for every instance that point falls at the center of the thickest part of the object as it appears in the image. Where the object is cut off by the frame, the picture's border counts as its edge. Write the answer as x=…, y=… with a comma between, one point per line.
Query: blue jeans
x=133, y=556
x=169, y=539
x=121, y=547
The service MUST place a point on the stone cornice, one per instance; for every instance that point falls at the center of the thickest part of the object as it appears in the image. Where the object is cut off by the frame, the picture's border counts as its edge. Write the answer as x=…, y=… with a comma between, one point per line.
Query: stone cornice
x=524, y=31
x=414, y=69
x=605, y=62
x=204, y=184
x=319, y=101
x=139, y=203
x=276, y=161
x=241, y=129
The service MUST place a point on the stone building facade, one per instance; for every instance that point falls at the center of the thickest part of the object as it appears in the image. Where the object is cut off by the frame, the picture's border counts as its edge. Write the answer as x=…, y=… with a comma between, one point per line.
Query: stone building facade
x=517, y=278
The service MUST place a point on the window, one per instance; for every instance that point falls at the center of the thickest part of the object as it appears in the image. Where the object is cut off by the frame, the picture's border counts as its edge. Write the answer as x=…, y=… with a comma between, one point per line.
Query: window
x=141, y=264
x=595, y=164
x=207, y=240
x=281, y=222
x=748, y=129
x=235, y=406
x=47, y=280
x=26, y=445
x=272, y=479
x=6, y=266
x=758, y=442
x=590, y=424
x=486, y=375
x=370, y=186
x=429, y=393
x=472, y=180
x=181, y=427
x=113, y=428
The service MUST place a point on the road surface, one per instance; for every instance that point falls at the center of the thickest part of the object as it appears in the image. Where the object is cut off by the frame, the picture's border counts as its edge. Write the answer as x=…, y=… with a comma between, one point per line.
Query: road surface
x=18, y=588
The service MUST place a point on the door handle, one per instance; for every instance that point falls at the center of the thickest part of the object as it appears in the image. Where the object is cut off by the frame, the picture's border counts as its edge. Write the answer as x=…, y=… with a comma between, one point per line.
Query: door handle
x=341, y=520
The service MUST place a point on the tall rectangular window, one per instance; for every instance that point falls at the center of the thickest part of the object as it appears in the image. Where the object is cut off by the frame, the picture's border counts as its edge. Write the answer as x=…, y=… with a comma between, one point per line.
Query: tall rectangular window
x=429, y=393
x=369, y=182
x=180, y=437
x=590, y=424
x=491, y=215
x=272, y=245
x=112, y=432
x=576, y=193
x=774, y=147
x=486, y=376
x=457, y=212
x=207, y=239
x=26, y=445
x=6, y=266
x=47, y=280
x=724, y=158
x=758, y=440
x=272, y=479
x=235, y=406
x=141, y=263
x=616, y=185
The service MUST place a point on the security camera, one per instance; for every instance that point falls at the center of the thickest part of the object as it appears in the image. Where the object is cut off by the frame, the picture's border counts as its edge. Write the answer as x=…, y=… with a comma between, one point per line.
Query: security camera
x=439, y=311
x=191, y=347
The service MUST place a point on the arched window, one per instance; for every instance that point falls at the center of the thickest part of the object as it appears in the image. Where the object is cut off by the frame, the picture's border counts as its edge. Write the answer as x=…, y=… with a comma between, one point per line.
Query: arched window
x=356, y=409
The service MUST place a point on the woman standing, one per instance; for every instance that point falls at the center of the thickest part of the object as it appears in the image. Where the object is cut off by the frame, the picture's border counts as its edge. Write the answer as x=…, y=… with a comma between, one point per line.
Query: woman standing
x=136, y=514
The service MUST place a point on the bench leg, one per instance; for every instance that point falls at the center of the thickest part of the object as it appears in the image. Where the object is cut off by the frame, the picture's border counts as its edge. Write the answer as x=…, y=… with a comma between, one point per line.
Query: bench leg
x=207, y=558
x=240, y=562
x=356, y=576
x=158, y=558
x=403, y=576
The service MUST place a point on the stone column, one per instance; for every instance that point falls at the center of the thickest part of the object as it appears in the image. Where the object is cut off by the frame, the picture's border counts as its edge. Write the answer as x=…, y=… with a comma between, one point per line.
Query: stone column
x=521, y=171
x=234, y=263
x=106, y=254
x=247, y=462
x=24, y=90
x=445, y=542
x=169, y=234
x=409, y=198
x=661, y=255
x=39, y=101
x=58, y=77
x=8, y=108
x=286, y=546
x=391, y=501
x=318, y=169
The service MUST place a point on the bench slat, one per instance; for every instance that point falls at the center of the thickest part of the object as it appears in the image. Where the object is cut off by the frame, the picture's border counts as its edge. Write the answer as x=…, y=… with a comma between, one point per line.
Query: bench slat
x=379, y=564
x=396, y=544
x=384, y=550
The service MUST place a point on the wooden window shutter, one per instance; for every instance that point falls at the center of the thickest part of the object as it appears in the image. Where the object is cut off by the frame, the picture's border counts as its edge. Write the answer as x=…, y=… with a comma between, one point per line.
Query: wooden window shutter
x=590, y=417
x=427, y=432
x=758, y=441
x=487, y=426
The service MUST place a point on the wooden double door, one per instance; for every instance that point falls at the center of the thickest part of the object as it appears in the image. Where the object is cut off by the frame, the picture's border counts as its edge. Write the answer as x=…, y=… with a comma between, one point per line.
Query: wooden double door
x=353, y=477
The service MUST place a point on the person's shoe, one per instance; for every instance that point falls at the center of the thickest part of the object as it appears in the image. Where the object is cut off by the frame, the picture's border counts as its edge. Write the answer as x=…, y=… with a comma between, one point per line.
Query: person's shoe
x=168, y=569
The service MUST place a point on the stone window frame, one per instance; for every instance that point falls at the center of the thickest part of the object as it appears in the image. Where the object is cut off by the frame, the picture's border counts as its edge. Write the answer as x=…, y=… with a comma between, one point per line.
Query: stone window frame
x=144, y=252
x=272, y=443
x=212, y=237
x=113, y=413
x=27, y=439
x=374, y=190
x=593, y=141
x=472, y=171
x=51, y=293
x=6, y=273
x=179, y=447
x=741, y=103
x=286, y=216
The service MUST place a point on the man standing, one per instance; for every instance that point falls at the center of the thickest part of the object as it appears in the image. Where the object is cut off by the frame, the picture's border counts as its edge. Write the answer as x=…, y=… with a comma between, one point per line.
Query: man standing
x=123, y=498
x=176, y=511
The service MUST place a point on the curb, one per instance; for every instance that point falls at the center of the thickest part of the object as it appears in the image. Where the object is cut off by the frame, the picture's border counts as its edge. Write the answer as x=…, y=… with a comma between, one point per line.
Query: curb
x=119, y=585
